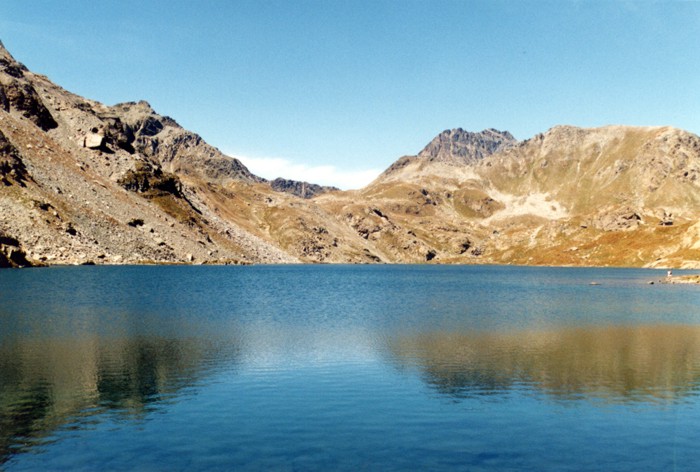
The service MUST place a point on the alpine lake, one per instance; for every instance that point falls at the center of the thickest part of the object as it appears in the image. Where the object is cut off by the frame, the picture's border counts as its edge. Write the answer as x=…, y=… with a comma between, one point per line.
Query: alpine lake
x=326, y=367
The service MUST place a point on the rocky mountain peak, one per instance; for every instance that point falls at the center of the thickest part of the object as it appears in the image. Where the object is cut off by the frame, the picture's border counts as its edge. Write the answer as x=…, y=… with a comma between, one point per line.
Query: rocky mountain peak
x=4, y=53
x=300, y=189
x=460, y=147
x=140, y=107
x=18, y=95
x=9, y=64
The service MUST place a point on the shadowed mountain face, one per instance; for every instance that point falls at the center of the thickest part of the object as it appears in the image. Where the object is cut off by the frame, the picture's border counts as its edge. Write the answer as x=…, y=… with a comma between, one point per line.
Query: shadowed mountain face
x=82, y=182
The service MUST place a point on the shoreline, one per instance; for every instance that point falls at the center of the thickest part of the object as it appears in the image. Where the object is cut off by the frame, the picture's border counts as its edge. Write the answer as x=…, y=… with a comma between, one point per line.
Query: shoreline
x=681, y=279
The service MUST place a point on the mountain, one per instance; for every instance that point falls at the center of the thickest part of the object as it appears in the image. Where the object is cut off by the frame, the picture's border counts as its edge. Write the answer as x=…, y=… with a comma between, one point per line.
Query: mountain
x=300, y=189
x=461, y=147
x=450, y=152
x=83, y=182
x=615, y=195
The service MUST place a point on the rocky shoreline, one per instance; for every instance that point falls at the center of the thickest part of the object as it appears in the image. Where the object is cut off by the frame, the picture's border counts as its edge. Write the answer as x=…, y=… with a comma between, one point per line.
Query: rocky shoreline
x=682, y=279
x=12, y=255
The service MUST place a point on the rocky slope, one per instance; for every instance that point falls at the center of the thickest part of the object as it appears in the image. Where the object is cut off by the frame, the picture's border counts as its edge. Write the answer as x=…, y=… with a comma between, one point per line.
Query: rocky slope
x=82, y=182
x=85, y=183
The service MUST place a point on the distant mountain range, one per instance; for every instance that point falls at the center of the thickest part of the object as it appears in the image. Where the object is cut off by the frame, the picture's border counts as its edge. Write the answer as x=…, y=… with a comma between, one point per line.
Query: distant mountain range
x=86, y=183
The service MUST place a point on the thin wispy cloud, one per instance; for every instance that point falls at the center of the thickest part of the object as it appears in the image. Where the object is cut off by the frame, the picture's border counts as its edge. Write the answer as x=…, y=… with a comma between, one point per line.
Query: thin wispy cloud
x=273, y=167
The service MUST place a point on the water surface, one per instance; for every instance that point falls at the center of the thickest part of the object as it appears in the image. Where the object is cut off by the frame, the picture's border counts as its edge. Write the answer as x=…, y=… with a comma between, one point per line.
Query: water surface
x=346, y=368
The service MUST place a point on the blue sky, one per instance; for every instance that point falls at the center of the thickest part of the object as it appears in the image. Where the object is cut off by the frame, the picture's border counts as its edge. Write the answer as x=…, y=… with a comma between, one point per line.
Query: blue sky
x=334, y=91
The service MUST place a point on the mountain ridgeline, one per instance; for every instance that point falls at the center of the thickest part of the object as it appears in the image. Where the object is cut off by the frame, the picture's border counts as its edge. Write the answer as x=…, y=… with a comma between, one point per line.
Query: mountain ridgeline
x=86, y=183
x=461, y=147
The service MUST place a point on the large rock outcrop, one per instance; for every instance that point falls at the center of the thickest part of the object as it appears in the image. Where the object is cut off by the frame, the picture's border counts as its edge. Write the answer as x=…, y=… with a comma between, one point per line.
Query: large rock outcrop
x=11, y=253
x=12, y=168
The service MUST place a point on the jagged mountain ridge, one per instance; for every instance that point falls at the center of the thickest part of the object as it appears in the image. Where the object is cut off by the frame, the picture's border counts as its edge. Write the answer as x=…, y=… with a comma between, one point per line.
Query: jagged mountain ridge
x=82, y=182
x=452, y=151
x=300, y=189
x=460, y=147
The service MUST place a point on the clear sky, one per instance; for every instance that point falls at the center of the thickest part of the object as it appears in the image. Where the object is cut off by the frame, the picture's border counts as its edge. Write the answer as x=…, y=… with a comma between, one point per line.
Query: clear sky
x=333, y=91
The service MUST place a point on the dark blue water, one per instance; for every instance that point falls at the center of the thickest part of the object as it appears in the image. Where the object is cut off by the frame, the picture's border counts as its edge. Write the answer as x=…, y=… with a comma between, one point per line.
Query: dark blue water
x=347, y=368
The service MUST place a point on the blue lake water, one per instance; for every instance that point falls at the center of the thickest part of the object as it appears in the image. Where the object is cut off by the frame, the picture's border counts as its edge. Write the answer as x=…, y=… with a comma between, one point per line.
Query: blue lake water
x=348, y=368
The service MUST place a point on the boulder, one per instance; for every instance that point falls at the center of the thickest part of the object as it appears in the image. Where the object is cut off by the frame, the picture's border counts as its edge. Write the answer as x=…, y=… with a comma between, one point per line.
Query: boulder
x=11, y=255
x=618, y=219
x=94, y=141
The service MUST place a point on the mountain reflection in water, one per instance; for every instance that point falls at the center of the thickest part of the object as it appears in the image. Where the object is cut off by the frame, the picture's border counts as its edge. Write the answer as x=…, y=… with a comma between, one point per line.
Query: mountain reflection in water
x=56, y=383
x=347, y=368
x=656, y=363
